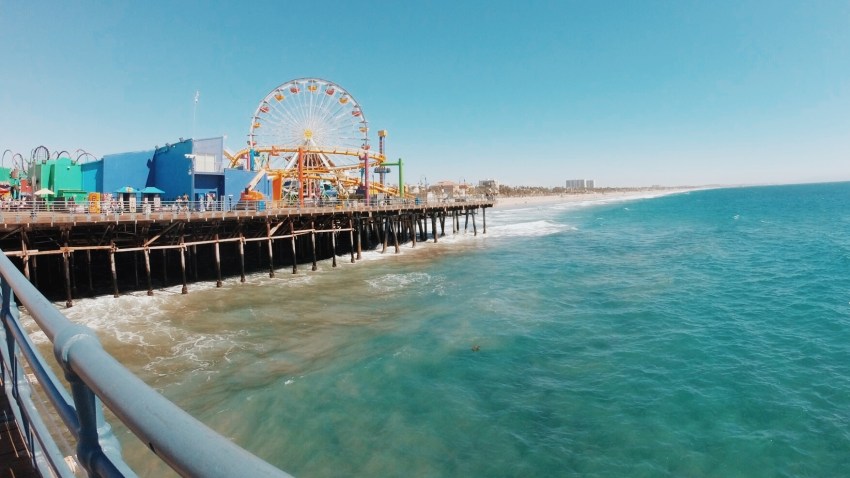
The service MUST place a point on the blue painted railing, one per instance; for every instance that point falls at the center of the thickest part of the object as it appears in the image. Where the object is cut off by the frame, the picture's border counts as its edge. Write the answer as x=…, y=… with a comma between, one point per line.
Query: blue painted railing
x=182, y=442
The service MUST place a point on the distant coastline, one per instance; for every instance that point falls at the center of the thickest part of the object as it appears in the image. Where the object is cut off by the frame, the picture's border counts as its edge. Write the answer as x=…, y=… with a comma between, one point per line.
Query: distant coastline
x=516, y=201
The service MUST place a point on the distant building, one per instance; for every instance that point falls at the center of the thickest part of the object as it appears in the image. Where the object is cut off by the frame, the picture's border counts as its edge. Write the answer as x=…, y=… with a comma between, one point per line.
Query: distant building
x=489, y=186
x=579, y=184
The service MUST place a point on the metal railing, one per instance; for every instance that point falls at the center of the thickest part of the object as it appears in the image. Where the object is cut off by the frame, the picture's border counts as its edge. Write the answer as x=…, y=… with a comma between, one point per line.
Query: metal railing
x=95, y=377
x=18, y=212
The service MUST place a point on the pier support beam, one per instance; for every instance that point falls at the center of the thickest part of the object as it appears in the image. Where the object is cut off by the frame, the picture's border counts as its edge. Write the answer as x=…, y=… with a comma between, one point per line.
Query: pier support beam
x=147, y=254
x=88, y=271
x=474, y=229
x=333, y=244
x=185, y=289
x=294, y=250
x=351, y=237
x=313, y=242
x=484, y=219
x=387, y=226
x=114, y=271
x=194, y=255
x=69, y=302
x=34, y=260
x=24, y=258
x=217, y=263
x=434, y=226
x=136, y=268
x=271, y=252
x=164, y=267
x=393, y=223
x=73, y=274
x=359, y=238
x=241, y=258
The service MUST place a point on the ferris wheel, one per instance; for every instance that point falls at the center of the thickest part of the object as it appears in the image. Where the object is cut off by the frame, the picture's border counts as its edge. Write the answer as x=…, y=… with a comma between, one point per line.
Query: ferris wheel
x=313, y=117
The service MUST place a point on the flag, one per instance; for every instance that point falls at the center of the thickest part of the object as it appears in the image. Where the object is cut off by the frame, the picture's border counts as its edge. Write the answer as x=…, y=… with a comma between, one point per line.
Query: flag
x=197, y=95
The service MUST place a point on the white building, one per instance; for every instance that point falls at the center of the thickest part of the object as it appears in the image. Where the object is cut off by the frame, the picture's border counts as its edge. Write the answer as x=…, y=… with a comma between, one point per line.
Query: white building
x=579, y=184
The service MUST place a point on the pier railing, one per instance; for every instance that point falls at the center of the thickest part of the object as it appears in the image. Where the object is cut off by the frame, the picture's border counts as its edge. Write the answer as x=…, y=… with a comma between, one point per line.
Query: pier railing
x=22, y=212
x=95, y=377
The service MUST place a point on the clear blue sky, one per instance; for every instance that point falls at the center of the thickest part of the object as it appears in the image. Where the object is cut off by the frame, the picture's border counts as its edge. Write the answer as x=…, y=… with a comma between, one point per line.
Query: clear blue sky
x=623, y=92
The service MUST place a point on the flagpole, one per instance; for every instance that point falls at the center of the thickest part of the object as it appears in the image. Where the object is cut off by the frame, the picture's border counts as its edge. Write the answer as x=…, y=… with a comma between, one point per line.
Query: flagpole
x=195, y=111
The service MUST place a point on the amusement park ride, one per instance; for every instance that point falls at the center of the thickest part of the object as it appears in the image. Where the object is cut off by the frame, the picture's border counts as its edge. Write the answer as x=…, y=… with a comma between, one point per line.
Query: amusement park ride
x=311, y=138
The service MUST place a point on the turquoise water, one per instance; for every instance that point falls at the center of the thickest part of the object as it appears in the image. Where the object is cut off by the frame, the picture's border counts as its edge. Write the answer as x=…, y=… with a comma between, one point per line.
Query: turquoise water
x=697, y=334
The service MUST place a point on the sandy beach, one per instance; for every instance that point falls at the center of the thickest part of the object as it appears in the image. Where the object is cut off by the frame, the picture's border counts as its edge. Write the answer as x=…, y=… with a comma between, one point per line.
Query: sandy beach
x=504, y=202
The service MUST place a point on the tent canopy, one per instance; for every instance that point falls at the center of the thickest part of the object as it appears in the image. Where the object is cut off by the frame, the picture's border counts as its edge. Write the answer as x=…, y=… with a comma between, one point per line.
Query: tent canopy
x=125, y=189
x=152, y=190
x=43, y=192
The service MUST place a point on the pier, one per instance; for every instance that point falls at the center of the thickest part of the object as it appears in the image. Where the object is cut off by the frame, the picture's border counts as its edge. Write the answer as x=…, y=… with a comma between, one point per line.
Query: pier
x=76, y=253
x=68, y=251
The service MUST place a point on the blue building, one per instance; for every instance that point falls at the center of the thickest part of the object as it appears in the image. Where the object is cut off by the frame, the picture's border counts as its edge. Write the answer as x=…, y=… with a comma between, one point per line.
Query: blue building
x=194, y=168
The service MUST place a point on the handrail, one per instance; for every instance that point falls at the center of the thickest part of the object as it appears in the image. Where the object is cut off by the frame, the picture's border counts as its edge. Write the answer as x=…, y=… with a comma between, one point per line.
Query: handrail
x=17, y=212
x=181, y=441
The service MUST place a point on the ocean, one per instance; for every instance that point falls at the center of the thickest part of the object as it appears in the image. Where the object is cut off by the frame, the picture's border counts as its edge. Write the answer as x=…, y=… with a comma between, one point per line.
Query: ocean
x=697, y=334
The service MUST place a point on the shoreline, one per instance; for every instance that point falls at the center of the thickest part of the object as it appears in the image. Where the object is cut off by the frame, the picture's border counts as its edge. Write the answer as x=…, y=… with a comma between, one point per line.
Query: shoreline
x=512, y=202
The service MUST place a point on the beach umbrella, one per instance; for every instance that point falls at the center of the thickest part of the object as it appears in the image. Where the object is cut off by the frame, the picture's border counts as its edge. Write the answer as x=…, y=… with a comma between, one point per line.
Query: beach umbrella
x=44, y=192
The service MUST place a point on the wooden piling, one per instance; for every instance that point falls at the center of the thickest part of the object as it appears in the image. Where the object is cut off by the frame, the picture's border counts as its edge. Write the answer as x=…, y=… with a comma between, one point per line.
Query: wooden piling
x=136, y=268
x=271, y=253
x=351, y=238
x=313, y=242
x=88, y=271
x=193, y=252
x=185, y=289
x=24, y=258
x=241, y=258
x=164, y=267
x=147, y=254
x=217, y=263
x=69, y=302
x=359, y=223
x=333, y=244
x=434, y=226
x=34, y=270
x=73, y=273
x=114, y=271
x=395, y=233
x=294, y=251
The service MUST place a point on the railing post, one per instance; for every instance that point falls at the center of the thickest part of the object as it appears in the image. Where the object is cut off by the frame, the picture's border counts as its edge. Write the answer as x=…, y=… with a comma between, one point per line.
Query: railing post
x=94, y=431
x=18, y=377
x=5, y=311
